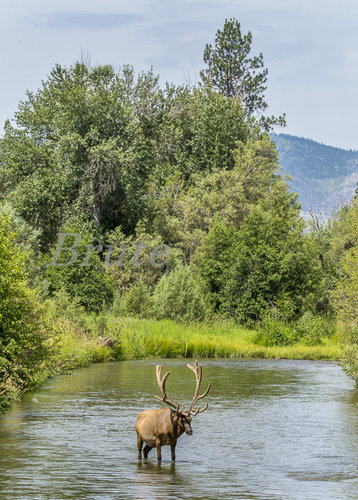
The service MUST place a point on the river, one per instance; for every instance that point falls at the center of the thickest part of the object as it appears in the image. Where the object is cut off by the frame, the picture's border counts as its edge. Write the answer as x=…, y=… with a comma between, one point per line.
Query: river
x=274, y=429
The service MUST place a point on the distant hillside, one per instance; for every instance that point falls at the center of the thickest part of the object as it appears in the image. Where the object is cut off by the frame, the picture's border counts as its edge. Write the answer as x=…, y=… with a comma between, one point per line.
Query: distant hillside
x=325, y=177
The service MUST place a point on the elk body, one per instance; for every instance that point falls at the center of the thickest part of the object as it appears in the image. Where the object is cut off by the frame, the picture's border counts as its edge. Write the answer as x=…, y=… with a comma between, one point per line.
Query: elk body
x=164, y=426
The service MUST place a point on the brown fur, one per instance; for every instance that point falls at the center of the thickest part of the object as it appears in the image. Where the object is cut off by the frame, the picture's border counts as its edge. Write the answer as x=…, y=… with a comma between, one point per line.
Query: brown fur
x=160, y=427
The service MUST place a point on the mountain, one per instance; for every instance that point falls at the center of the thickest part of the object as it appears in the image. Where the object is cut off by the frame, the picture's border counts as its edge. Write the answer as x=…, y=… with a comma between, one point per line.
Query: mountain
x=325, y=177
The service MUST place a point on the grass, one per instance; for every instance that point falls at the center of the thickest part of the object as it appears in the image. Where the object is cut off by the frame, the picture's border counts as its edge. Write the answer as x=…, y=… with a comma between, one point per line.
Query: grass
x=140, y=338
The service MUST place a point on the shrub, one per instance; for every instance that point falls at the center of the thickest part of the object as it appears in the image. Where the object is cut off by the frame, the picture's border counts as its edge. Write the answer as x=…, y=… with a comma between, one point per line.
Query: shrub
x=136, y=302
x=179, y=296
x=61, y=306
x=273, y=331
x=268, y=261
x=310, y=329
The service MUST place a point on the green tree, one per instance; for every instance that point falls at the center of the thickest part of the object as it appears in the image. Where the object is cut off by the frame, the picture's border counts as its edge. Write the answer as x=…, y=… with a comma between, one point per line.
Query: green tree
x=183, y=216
x=233, y=72
x=86, y=146
x=85, y=280
x=80, y=149
x=344, y=247
x=23, y=348
x=135, y=302
x=346, y=297
x=141, y=257
x=268, y=262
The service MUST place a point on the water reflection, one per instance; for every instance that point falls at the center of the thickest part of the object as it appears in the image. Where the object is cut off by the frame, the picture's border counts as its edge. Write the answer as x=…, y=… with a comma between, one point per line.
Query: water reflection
x=274, y=430
x=156, y=479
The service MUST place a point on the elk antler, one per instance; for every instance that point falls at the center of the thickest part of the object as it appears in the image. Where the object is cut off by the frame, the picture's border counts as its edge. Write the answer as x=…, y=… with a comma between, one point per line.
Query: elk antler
x=161, y=383
x=198, y=370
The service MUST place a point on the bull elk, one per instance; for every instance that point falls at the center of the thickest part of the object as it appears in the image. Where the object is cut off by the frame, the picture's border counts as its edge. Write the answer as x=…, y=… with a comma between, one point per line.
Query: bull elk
x=164, y=426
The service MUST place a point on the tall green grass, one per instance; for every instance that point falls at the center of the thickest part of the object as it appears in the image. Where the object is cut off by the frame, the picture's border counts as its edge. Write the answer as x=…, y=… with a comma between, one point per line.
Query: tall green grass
x=140, y=338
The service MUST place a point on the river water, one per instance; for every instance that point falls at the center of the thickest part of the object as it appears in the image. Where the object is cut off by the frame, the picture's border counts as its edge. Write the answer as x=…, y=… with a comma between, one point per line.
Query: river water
x=275, y=429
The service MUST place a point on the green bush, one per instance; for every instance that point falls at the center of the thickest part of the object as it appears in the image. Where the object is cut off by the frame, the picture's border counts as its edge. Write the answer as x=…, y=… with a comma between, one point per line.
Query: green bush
x=345, y=297
x=136, y=302
x=310, y=329
x=179, y=296
x=61, y=304
x=134, y=252
x=273, y=331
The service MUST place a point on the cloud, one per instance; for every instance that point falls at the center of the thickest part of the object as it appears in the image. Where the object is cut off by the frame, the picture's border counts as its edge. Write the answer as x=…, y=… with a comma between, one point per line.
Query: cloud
x=88, y=20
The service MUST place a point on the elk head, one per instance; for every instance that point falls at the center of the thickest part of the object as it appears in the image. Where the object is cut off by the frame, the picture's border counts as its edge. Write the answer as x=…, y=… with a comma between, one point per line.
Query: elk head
x=184, y=417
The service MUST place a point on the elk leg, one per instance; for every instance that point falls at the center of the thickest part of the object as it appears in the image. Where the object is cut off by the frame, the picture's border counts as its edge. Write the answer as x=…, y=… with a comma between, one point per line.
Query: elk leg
x=140, y=445
x=159, y=448
x=172, y=449
x=146, y=450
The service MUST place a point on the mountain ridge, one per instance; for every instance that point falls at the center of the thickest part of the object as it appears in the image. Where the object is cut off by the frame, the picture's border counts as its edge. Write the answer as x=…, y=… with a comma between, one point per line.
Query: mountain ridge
x=325, y=177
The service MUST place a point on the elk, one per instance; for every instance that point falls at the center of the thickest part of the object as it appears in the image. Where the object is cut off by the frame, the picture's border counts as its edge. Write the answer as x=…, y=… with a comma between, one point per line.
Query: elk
x=164, y=426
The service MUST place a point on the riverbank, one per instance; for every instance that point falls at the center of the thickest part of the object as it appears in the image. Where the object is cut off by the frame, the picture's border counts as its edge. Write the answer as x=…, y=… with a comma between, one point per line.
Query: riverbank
x=138, y=338
x=88, y=339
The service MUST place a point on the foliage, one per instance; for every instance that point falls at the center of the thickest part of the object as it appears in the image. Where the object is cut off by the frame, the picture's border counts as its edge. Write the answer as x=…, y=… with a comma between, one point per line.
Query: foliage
x=183, y=217
x=274, y=332
x=85, y=145
x=232, y=72
x=339, y=256
x=310, y=328
x=65, y=159
x=329, y=266
x=345, y=299
x=23, y=346
x=136, y=301
x=179, y=296
x=343, y=233
x=26, y=237
x=269, y=261
x=141, y=256
x=61, y=304
x=85, y=280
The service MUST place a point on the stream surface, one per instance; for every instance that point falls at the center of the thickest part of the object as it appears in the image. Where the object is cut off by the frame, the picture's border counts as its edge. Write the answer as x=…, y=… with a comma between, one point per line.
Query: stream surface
x=275, y=429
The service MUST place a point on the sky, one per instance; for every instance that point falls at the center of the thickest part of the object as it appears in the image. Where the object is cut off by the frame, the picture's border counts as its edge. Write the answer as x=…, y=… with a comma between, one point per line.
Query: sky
x=310, y=48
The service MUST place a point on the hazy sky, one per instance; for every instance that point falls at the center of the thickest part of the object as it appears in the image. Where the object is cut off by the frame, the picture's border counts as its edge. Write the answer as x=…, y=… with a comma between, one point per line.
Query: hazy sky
x=310, y=48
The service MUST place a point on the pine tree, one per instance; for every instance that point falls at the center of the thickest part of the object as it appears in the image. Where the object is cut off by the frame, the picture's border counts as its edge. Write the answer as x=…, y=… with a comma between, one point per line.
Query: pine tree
x=234, y=73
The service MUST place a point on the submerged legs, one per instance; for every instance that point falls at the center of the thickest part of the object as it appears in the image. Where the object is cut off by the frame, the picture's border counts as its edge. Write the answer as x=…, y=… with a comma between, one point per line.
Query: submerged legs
x=146, y=450
x=140, y=445
x=159, y=448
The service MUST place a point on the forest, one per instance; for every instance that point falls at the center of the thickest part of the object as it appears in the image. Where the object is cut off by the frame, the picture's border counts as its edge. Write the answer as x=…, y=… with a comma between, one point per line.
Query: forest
x=180, y=185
